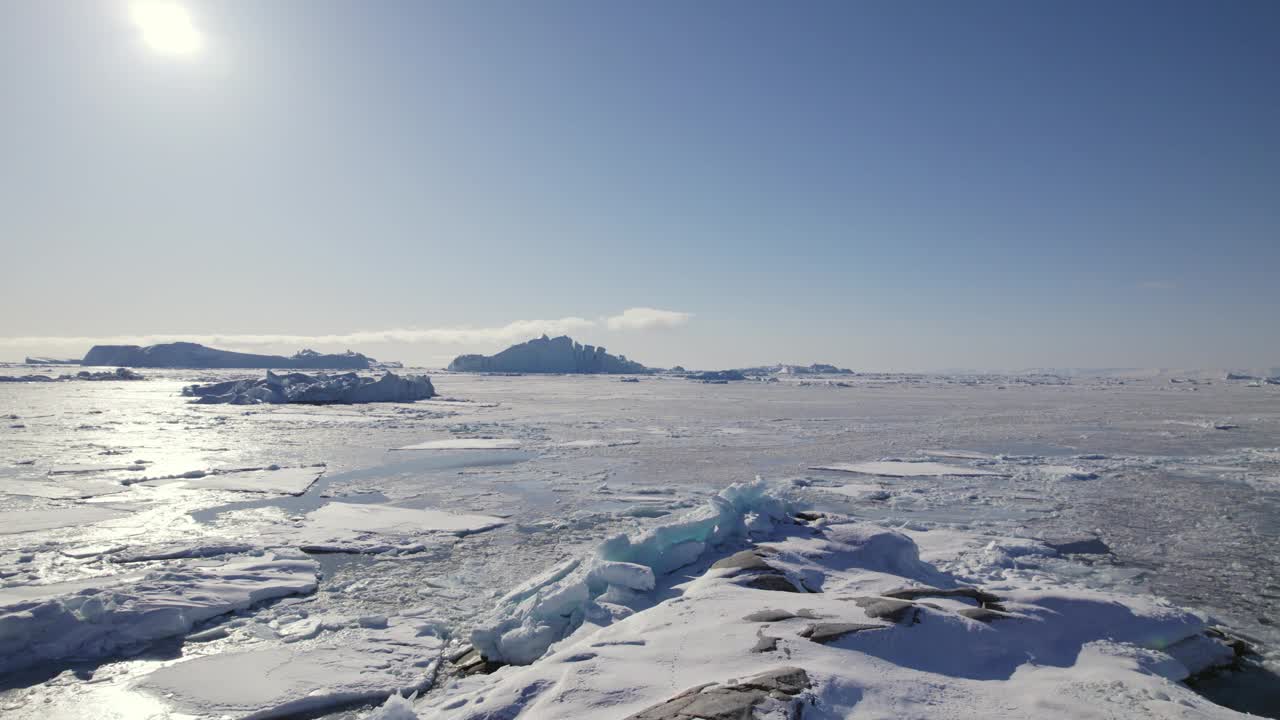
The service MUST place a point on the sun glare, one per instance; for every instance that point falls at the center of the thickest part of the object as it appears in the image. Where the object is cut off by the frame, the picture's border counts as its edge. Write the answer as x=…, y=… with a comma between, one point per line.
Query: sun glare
x=166, y=27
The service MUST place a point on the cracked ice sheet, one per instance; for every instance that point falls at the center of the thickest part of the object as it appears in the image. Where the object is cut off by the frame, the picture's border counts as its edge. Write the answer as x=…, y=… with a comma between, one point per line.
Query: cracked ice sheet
x=855, y=490
x=349, y=666
x=89, y=619
x=596, y=443
x=898, y=468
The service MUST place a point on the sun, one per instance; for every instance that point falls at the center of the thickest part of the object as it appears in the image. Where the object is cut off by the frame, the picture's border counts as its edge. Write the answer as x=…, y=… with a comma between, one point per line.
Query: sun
x=166, y=27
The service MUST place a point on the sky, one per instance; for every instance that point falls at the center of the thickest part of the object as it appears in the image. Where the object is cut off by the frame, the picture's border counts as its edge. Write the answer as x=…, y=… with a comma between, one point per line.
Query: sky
x=881, y=185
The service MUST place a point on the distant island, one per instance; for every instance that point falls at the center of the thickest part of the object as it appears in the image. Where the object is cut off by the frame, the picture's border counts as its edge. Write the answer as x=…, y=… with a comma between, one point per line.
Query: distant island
x=549, y=355
x=193, y=355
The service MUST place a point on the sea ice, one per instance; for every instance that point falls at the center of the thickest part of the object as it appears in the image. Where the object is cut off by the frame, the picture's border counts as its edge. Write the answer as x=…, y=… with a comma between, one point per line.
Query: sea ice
x=958, y=454
x=596, y=443
x=900, y=468
x=465, y=444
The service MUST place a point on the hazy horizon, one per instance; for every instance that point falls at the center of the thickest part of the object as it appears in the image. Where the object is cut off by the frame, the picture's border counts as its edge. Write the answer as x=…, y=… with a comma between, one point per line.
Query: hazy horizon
x=872, y=185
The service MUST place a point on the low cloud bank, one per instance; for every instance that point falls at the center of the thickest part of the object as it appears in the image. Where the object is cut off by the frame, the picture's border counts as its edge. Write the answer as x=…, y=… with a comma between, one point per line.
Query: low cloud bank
x=517, y=331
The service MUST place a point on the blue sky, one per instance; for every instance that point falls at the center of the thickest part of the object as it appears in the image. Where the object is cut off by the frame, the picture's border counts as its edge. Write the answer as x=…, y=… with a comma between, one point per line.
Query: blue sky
x=882, y=185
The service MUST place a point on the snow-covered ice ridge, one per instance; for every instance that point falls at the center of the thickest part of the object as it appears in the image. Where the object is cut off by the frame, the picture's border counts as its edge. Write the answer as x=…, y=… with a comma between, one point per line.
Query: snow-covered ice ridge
x=742, y=608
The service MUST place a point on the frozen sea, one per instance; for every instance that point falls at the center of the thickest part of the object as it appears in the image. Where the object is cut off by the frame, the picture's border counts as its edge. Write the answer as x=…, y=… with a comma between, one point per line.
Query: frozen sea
x=142, y=535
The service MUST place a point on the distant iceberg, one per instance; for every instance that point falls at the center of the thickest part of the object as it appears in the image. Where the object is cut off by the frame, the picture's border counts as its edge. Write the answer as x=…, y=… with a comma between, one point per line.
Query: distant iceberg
x=321, y=389
x=549, y=355
x=49, y=361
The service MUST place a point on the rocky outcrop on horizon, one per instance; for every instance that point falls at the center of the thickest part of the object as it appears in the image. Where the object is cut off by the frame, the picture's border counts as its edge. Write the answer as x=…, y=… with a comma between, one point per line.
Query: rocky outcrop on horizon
x=549, y=355
x=193, y=355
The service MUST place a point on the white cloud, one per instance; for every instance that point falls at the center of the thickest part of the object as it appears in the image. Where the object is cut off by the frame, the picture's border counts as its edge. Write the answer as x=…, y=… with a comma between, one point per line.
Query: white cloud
x=519, y=330
x=513, y=332
x=642, y=318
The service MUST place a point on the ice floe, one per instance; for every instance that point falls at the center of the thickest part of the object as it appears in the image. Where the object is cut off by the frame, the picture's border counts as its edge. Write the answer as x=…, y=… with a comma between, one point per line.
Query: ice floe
x=353, y=527
x=22, y=521
x=315, y=389
x=104, y=616
x=280, y=481
x=62, y=489
x=353, y=665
